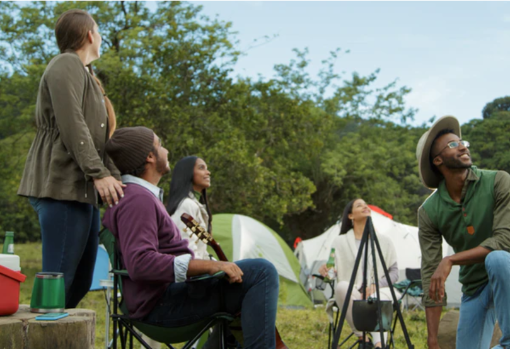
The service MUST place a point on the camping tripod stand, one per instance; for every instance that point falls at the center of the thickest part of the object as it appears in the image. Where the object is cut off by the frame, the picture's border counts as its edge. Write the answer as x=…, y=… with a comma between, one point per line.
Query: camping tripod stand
x=370, y=237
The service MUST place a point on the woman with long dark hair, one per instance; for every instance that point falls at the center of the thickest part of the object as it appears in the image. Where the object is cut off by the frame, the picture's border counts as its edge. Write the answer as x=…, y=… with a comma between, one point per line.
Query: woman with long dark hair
x=346, y=246
x=188, y=194
x=66, y=166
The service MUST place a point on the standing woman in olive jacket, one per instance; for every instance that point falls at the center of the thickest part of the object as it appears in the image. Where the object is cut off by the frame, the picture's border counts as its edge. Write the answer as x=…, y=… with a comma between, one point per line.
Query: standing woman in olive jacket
x=66, y=166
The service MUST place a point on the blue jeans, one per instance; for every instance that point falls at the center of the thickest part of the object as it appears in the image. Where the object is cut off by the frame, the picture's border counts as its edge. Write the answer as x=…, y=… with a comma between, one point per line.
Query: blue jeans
x=69, y=232
x=491, y=302
x=256, y=297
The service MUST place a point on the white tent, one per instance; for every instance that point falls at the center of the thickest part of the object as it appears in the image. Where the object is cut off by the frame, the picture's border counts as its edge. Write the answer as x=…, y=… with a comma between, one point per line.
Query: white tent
x=314, y=252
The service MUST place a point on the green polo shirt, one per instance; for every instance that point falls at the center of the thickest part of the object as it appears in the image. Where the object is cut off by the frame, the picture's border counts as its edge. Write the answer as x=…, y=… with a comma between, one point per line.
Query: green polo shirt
x=482, y=218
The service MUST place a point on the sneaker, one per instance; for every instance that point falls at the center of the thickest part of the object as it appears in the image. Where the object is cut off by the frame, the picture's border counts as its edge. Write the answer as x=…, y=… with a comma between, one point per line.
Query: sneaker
x=366, y=345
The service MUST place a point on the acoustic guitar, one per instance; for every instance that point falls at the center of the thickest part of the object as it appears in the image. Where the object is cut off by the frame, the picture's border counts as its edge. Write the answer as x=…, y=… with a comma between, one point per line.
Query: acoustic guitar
x=207, y=238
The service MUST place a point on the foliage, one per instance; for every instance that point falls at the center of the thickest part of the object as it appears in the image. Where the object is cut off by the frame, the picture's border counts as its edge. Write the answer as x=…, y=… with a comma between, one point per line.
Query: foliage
x=289, y=151
x=498, y=107
x=15, y=213
x=353, y=116
x=489, y=136
x=372, y=159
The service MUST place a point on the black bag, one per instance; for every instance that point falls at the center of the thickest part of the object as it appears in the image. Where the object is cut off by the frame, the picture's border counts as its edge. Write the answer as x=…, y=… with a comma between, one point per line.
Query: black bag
x=365, y=314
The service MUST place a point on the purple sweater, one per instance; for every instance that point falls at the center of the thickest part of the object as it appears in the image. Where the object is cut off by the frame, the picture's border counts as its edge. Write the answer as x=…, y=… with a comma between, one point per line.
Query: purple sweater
x=149, y=241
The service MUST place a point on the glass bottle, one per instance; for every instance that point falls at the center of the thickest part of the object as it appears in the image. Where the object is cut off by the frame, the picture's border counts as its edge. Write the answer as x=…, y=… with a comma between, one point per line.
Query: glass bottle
x=8, y=243
x=330, y=264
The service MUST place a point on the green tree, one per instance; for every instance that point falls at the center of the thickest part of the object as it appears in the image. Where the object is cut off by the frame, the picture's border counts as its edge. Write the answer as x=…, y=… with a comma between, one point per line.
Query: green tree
x=350, y=108
x=170, y=70
x=373, y=159
x=272, y=144
x=489, y=136
x=498, y=107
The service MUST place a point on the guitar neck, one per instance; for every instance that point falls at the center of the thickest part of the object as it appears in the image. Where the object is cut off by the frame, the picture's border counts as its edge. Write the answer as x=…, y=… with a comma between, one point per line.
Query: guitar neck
x=217, y=249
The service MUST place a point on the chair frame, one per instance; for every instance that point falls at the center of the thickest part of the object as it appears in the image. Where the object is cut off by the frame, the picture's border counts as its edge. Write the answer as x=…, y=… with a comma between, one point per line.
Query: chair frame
x=415, y=281
x=333, y=325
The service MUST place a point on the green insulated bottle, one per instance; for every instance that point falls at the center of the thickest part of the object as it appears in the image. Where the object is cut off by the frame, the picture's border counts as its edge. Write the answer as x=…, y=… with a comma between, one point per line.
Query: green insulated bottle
x=331, y=266
x=8, y=243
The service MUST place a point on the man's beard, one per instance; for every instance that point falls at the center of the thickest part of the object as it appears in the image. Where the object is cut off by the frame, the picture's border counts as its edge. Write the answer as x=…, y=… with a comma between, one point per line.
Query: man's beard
x=455, y=163
x=161, y=166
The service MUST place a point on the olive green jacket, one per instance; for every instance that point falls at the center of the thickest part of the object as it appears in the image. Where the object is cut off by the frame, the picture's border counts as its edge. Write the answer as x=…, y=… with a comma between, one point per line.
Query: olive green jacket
x=72, y=129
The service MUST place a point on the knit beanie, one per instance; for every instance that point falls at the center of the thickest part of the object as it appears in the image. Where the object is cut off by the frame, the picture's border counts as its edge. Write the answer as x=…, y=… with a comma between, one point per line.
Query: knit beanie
x=129, y=146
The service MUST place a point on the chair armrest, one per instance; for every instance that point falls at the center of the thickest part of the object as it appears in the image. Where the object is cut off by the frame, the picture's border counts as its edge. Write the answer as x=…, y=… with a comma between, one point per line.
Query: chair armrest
x=318, y=276
x=417, y=282
x=121, y=272
x=218, y=275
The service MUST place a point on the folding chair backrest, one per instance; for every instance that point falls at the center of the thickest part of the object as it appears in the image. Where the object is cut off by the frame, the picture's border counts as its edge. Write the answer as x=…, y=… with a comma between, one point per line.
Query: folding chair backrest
x=413, y=274
x=108, y=240
x=101, y=269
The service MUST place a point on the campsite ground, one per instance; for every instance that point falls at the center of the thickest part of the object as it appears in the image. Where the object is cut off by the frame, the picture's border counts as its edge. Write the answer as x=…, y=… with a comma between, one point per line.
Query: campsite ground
x=300, y=328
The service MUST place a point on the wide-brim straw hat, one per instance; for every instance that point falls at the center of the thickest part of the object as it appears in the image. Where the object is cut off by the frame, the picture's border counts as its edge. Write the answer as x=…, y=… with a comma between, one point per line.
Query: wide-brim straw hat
x=428, y=177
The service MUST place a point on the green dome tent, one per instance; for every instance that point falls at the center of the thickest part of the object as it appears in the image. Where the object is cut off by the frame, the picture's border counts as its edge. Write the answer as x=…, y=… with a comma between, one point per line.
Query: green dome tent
x=242, y=237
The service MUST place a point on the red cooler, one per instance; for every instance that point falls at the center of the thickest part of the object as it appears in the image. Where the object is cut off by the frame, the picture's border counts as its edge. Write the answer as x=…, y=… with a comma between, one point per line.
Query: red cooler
x=10, y=278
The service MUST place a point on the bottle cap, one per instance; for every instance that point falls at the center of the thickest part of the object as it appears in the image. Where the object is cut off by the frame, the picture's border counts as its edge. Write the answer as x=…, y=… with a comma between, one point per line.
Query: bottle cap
x=9, y=233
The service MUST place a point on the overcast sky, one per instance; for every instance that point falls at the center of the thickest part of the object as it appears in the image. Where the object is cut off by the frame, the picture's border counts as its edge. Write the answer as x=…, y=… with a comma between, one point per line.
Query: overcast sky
x=454, y=55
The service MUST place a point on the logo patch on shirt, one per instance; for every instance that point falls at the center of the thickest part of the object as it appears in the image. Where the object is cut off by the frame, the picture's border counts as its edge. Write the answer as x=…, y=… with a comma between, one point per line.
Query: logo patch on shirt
x=471, y=230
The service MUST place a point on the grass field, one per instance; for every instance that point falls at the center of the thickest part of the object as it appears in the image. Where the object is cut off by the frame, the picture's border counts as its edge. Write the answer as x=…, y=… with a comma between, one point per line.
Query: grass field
x=300, y=328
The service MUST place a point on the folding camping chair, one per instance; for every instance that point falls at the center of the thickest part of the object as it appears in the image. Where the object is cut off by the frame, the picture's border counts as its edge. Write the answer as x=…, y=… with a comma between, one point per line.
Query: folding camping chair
x=318, y=289
x=102, y=280
x=333, y=322
x=411, y=288
x=124, y=327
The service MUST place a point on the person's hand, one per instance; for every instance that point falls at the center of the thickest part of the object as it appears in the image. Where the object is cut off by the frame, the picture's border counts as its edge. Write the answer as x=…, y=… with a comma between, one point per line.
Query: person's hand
x=323, y=270
x=234, y=273
x=109, y=189
x=438, y=279
x=370, y=290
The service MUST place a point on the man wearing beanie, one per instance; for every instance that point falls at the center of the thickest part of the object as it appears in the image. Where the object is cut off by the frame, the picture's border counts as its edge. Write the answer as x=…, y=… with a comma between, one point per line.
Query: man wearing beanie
x=159, y=261
x=471, y=210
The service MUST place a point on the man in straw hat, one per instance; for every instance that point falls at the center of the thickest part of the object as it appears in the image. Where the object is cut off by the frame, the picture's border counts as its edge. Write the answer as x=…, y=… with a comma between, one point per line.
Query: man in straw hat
x=470, y=208
x=159, y=261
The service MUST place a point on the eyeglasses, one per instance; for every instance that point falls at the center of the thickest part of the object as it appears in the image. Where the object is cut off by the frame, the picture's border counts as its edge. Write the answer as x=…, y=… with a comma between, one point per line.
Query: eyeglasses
x=453, y=144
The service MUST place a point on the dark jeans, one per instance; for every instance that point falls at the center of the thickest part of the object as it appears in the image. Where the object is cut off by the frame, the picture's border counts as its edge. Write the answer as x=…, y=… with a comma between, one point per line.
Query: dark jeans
x=256, y=297
x=69, y=232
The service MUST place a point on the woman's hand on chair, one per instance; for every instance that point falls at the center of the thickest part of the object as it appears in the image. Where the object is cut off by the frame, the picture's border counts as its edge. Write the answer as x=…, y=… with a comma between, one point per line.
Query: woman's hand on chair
x=323, y=270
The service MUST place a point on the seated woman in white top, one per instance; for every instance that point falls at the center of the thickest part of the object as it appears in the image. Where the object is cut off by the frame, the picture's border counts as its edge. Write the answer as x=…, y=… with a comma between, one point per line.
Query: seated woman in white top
x=190, y=179
x=346, y=247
